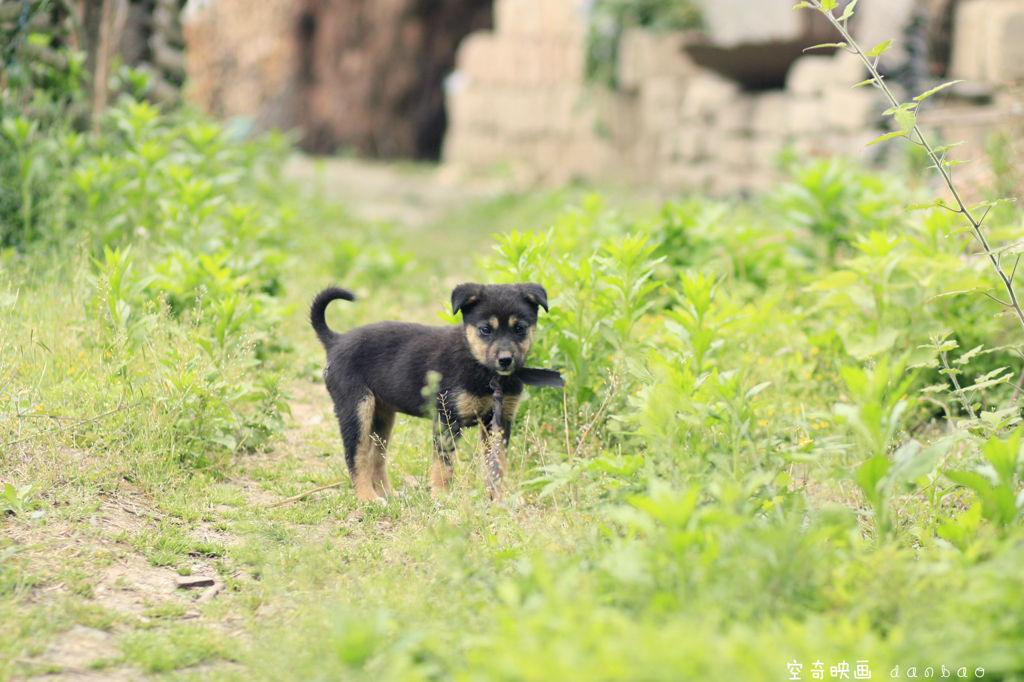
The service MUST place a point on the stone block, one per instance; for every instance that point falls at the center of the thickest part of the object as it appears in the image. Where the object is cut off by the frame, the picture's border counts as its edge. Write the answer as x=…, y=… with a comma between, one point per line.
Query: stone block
x=644, y=54
x=737, y=22
x=685, y=177
x=508, y=110
x=668, y=148
x=639, y=161
x=850, y=144
x=967, y=59
x=848, y=69
x=728, y=182
x=531, y=111
x=764, y=152
x=770, y=115
x=617, y=112
x=705, y=95
x=581, y=158
x=568, y=109
x=568, y=18
x=526, y=112
x=472, y=148
x=566, y=62
x=807, y=115
x=760, y=182
x=733, y=152
x=487, y=58
x=660, y=97
x=472, y=108
x=533, y=19
x=851, y=110
x=876, y=21
x=480, y=58
x=240, y=56
x=734, y=117
x=518, y=18
x=689, y=142
x=811, y=75
x=816, y=145
x=987, y=41
x=1006, y=52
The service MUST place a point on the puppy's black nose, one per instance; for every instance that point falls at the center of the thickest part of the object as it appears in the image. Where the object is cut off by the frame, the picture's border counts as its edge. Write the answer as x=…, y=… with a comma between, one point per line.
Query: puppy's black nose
x=504, y=361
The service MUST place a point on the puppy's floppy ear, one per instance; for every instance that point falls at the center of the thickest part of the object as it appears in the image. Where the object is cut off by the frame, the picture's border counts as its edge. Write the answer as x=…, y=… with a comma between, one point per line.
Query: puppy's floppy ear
x=535, y=294
x=465, y=295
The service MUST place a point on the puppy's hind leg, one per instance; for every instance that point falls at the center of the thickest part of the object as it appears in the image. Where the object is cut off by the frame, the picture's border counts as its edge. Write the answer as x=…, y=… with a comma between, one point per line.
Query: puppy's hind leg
x=380, y=435
x=361, y=454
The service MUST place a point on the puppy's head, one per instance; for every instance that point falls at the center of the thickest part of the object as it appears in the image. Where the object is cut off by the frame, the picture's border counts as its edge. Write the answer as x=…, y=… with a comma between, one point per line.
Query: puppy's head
x=499, y=321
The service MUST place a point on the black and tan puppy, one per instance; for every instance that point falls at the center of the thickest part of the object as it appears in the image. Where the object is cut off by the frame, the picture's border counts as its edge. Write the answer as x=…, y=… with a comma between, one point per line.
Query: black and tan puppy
x=376, y=371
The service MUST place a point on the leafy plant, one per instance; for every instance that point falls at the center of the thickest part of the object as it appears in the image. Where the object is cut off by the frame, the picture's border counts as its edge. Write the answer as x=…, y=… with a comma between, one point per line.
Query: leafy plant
x=833, y=199
x=20, y=501
x=997, y=483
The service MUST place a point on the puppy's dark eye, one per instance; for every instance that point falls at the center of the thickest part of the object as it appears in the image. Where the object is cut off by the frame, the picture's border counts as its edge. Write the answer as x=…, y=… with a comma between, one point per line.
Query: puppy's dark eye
x=519, y=329
x=486, y=330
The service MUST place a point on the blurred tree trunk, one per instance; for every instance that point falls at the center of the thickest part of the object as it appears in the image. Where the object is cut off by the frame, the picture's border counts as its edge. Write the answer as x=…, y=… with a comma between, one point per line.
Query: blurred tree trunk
x=370, y=73
x=92, y=17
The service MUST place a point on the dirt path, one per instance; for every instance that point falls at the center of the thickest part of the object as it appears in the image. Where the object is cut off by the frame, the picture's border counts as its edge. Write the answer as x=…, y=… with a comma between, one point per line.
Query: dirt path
x=412, y=195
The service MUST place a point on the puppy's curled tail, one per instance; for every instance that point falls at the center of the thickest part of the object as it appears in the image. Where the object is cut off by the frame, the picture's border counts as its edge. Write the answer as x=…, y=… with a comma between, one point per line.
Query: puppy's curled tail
x=319, y=306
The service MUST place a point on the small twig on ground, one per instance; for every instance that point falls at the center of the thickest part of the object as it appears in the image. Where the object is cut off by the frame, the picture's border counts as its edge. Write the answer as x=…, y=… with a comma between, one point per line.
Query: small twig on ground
x=305, y=494
x=210, y=592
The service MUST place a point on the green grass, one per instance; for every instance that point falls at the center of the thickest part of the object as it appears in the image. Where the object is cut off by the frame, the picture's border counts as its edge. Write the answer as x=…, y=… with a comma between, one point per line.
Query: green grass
x=745, y=470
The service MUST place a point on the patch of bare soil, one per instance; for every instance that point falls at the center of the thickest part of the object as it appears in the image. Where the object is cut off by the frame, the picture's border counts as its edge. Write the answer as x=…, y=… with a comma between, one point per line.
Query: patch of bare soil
x=77, y=653
x=127, y=583
x=132, y=585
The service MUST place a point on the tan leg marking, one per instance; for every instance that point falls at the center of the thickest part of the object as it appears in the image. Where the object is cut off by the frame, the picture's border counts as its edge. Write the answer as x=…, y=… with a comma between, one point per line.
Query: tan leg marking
x=440, y=476
x=367, y=454
x=442, y=470
x=379, y=440
x=509, y=407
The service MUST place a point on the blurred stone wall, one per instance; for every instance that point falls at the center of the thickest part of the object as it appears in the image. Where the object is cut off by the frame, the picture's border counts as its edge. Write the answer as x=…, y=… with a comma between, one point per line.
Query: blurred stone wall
x=518, y=97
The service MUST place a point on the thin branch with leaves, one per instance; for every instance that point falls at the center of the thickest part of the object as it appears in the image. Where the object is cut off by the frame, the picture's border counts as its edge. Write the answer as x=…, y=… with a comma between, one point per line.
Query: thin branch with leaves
x=905, y=116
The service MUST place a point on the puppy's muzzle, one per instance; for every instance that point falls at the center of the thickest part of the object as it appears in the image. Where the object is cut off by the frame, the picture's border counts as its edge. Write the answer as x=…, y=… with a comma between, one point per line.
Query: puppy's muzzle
x=505, y=361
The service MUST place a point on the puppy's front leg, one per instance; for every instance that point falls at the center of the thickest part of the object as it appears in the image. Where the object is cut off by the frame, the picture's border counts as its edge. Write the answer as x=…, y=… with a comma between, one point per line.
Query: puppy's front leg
x=495, y=453
x=446, y=437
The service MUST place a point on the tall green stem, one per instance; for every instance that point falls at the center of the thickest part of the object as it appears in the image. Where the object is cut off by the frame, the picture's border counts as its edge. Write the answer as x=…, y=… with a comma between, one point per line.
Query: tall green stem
x=1007, y=280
